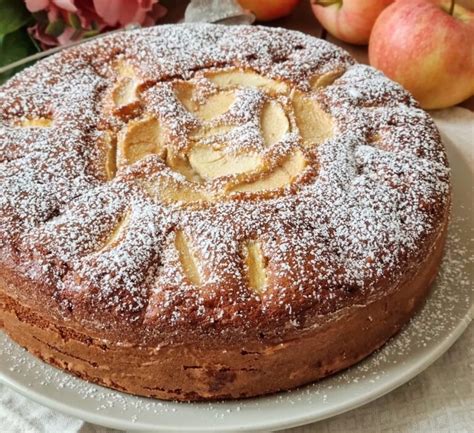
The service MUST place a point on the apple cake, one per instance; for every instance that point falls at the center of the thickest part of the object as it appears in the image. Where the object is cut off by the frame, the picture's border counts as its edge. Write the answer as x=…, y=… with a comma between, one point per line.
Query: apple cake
x=196, y=212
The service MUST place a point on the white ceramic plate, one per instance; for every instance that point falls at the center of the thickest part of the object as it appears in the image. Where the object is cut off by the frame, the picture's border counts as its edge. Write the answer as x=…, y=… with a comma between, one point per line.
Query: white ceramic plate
x=443, y=319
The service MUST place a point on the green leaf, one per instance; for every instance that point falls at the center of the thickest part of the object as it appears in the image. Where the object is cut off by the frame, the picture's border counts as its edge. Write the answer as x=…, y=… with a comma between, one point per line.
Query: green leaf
x=74, y=21
x=55, y=28
x=90, y=33
x=13, y=15
x=13, y=47
x=326, y=3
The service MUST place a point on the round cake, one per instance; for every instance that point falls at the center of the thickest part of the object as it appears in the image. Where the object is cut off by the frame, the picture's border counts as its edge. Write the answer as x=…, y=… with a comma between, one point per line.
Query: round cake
x=197, y=212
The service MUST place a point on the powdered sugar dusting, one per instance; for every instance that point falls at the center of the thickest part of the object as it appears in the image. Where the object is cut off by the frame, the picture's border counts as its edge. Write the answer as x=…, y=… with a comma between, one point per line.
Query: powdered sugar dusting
x=373, y=209
x=446, y=309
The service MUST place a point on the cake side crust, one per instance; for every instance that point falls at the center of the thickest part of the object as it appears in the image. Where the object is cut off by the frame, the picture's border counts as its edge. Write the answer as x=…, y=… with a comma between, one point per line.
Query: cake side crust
x=193, y=372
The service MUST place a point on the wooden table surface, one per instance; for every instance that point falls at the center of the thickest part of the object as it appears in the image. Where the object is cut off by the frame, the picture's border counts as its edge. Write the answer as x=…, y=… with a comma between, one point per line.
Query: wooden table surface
x=301, y=19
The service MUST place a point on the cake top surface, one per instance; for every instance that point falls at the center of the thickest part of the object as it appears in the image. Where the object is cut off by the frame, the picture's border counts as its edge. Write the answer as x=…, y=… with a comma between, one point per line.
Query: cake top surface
x=213, y=179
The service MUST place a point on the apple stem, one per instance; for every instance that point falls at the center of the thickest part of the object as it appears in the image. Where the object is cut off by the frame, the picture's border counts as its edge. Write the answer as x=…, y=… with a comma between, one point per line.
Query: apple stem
x=451, y=8
x=325, y=3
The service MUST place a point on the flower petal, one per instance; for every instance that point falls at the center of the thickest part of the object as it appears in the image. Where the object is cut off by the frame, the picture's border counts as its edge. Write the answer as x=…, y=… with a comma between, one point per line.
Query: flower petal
x=45, y=40
x=67, y=5
x=108, y=11
x=36, y=5
x=67, y=36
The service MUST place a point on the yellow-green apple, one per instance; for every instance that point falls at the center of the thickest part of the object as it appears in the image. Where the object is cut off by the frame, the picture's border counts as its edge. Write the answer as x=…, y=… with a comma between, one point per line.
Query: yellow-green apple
x=427, y=46
x=349, y=20
x=267, y=10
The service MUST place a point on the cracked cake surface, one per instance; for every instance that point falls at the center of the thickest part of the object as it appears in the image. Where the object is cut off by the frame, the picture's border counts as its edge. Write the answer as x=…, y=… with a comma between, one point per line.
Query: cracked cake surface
x=206, y=184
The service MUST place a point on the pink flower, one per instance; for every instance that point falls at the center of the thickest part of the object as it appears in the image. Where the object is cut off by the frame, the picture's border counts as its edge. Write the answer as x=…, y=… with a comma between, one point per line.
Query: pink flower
x=123, y=12
x=60, y=22
x=38, y=5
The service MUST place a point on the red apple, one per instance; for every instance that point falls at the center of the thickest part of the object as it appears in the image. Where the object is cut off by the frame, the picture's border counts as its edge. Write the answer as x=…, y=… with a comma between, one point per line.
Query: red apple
x=349, y=20
x=267, y=10
x=427, y=46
